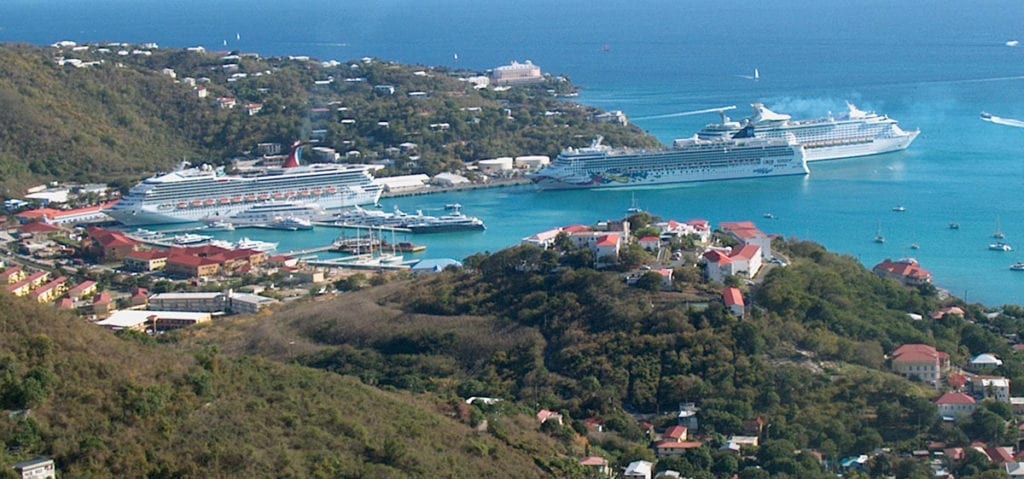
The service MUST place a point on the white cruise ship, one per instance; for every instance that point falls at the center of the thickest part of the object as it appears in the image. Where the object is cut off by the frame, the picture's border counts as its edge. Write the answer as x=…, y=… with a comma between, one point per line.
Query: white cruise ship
x=203, y=194
x=688, y=160
x=855, y=133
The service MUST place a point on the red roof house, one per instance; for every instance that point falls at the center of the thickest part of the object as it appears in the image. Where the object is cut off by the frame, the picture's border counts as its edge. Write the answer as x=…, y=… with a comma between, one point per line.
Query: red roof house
x=907, y=271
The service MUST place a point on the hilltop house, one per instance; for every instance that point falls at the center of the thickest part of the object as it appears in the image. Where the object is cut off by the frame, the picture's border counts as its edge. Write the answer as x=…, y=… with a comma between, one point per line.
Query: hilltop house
x=907, y=271
x=746, y=233
x=746, y=260
x=955, y=405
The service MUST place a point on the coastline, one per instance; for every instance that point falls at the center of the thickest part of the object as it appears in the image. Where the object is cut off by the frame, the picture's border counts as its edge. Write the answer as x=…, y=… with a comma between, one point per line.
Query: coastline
x=432, y=189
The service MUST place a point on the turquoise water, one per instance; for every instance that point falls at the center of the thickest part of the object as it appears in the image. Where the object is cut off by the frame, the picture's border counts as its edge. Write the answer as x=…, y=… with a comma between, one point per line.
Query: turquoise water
x=933, y=67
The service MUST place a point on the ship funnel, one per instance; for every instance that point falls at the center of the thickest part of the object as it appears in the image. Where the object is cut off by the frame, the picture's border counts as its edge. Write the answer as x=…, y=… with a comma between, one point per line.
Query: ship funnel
x=295, y=157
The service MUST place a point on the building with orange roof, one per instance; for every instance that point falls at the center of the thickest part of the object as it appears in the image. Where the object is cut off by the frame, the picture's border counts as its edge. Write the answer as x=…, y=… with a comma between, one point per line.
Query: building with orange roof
x=192, y=266
x=90, y=214
x=102, y=304
x=50, y=291
x=66, y=303
x=920, y=361
x=12, y=275
x=25, y=286
x=907, y=271
x=82, y=290
x=108, y=244
x=675, y=433
x=733, y=299
x=955, y=405
x=747, y=233
x=718, y=265
x=674, y=448
x=598, y=465
x=38, y=229
x=145, y=260
x=650, y=243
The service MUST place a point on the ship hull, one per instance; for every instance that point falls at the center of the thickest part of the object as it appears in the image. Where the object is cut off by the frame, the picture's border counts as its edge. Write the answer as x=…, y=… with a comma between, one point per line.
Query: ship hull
x=556, y=178
x=151, y=214
x=875, y=147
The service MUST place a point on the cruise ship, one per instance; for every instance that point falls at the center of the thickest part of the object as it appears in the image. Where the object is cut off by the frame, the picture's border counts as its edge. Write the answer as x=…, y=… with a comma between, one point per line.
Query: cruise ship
x=688, y=160
x=855, y=133
x=204, y=193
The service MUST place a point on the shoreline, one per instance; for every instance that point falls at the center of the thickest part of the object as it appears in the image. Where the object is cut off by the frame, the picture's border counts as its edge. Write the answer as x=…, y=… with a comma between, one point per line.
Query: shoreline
x=431, y=189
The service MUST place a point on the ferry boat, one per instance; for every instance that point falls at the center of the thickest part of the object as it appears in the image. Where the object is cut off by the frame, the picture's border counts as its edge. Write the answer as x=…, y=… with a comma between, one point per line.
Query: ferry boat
x=688, y=160
x=855, y=133
x=205, y=193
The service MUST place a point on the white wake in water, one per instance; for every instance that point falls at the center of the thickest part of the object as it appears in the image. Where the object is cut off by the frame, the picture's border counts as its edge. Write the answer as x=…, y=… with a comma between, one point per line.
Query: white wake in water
x=1003, y=121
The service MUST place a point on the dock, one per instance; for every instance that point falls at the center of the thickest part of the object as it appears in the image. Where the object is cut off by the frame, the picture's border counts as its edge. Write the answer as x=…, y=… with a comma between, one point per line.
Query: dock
x=360, y=227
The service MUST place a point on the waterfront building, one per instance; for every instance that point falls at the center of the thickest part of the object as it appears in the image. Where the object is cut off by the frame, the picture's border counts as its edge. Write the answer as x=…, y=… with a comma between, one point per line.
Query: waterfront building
x=495, y=166
x=906, y=271
x=399, y=184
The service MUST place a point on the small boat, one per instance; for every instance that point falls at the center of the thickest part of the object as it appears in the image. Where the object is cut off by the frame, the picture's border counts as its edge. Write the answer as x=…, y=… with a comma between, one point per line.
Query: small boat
x=452, y=206
x=220, y=226
x=769, y=216
x=250, y=198
x=1000, y=246
x=189, y=238
x=1018, y=266
x=878, y=236
x=634, y=207
x=954, y=226
x=182, y=205
x=290, y=224
x=1012, y=43
x=225, y=201
x=237, y=199
x=263, y=196
x=915, y=246
x=209, y=202
x=899, y=208
x=999, y=231
x=406, y=247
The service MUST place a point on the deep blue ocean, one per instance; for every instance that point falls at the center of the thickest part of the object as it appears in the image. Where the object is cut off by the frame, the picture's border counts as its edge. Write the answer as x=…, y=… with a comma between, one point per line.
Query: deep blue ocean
x=931, y=65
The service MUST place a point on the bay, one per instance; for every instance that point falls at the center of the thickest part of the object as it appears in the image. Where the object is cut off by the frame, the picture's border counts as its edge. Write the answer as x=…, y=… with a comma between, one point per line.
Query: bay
x=931, y=65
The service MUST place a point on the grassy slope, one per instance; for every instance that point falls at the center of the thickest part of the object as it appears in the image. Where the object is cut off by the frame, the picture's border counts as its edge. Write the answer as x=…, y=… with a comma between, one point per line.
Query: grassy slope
x=114, y=405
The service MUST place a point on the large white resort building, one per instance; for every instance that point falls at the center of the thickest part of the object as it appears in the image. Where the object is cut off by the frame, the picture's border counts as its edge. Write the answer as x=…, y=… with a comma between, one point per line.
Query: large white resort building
x=517, y=74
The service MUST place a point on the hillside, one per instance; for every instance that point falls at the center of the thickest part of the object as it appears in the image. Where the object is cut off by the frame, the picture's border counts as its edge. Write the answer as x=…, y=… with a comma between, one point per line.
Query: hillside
x=810, y=360
x=125, y=116
x=102, y=405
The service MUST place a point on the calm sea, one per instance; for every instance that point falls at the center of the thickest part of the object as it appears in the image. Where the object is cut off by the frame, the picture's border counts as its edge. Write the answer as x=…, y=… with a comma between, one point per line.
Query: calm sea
x=931, y=65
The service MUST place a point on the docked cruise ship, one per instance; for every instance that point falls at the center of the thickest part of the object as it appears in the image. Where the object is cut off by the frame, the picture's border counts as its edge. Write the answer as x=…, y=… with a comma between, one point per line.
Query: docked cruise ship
x=855, y=133
x=204, y=194
x=688, y=160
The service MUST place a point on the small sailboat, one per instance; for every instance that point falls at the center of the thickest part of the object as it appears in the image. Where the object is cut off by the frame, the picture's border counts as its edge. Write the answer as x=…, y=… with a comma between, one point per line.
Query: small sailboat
x=999, y=231
x=899, y=208
x=757, y=75
x=878, y=235
x=634, y=207
x=238, y=36
x=1000, y=246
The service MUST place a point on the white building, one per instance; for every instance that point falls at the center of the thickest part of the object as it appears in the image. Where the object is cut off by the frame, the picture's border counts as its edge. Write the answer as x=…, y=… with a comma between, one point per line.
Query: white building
x=517, y=74
x=393, y=184
x=449, y=179
x=495, y=166
x=532, y=162
x=36, y=469
x=638, y=470
x=141, y=320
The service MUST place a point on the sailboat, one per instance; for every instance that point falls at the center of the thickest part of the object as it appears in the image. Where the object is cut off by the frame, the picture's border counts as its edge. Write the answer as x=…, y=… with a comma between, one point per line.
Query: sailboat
x=878, y=236
x=634, y=207
x=757, y=75
x=999, y=232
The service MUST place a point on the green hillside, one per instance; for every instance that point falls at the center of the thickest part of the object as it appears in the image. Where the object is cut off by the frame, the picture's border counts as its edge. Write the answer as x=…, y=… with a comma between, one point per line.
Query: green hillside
x=810, y=360
x=105, y=406
x=123, y=117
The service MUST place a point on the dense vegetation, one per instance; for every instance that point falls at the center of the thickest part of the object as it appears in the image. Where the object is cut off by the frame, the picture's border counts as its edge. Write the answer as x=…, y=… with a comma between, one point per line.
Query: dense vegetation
x=123, y=118
x=809, y=362
x=105, y=406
